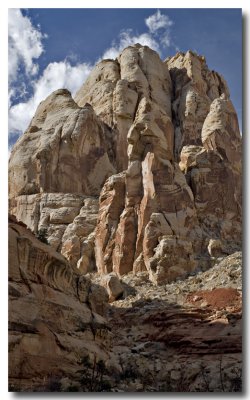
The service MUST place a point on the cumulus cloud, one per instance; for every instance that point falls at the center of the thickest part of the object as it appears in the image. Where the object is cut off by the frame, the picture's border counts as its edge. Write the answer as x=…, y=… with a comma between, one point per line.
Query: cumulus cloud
x=127, y=38
x=158, y=21
x=158, y=34
x=160, y=26
x=55, y=76
x=25, y=44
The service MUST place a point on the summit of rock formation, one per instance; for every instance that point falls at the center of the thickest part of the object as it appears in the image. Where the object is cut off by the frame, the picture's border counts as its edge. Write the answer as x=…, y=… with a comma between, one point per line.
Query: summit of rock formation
x=134, y=184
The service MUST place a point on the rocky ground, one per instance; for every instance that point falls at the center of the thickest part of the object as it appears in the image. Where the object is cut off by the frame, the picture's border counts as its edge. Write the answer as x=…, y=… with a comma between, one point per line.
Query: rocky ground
x=184, y=336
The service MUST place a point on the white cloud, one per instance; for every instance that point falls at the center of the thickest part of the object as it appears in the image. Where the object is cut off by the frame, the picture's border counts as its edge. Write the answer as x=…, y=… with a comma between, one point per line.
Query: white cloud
x=158, y=21
x=127, y=38
x=25, y=44
x=165, y=39
x=158, y=34
x=56, y=75
x=60, y=75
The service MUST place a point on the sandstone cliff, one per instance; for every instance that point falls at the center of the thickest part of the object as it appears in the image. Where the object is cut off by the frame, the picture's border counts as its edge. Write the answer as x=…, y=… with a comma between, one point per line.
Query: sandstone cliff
x=180, y=194
x=159, y=142
x=138, y=178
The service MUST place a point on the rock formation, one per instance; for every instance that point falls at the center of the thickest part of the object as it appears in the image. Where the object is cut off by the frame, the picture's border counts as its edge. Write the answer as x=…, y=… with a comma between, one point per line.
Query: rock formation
x=63, y=150
x=54, y=314
x=57, y=169
x=138, y=178
x=159, y=142
x=182, y=186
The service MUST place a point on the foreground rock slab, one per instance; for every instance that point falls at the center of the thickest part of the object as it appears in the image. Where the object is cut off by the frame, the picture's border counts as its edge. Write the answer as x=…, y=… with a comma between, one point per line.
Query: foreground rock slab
x=54, y=315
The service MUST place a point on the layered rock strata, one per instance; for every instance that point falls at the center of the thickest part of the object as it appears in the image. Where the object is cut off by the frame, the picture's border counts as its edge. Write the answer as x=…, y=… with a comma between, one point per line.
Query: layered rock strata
x=56, y=171
x=63, y=150
x=54, y=315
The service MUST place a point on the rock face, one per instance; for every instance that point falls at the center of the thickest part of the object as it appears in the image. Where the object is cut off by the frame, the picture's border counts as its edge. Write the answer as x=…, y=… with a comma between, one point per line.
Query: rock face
x=160, y=143
x=195, y=87
x=64, y=150
x=54, y=315
x=56, y=171
x=182, y=185
x=138, y=179
x=116, y=88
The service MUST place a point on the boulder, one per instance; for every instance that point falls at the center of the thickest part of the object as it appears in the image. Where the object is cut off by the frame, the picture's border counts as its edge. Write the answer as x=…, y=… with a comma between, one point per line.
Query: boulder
x=113, y=286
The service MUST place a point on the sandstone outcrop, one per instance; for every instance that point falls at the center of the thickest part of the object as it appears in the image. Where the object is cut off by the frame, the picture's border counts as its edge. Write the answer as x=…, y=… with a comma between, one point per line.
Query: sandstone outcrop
x=54, y=314
x=166, y=137
x=169, y=212
x=116, y=87
x=63, y=150
x=136, y=182
x=56, y=170
x=195, y=87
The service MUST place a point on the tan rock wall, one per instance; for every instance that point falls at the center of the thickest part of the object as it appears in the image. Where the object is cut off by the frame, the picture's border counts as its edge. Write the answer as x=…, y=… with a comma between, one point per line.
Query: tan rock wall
x=52, y=315
x=166, y=136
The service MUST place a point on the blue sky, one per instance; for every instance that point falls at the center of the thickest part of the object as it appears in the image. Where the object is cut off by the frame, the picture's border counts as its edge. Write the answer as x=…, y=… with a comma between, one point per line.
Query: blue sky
x=53, y=48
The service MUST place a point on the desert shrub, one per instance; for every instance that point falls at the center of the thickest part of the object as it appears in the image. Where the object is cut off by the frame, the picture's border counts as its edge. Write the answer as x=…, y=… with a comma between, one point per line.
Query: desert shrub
x=72, y=388
x=92, y=375
x=42, y=235
x=54, y=385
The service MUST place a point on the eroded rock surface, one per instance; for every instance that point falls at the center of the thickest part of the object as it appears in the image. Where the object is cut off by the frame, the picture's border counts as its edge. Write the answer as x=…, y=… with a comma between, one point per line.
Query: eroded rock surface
x=166, y=137
x=139, y=179
x=195, y=87
x=54, y=315
x=63, y=150
x=181, y=190
x=56, y=170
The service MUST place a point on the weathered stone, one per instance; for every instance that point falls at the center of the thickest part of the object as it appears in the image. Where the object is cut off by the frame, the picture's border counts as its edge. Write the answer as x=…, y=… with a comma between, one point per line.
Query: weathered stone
x=113, y=286
x=169, y=134
x=215, y=248
x=66, y=153
x=159, y=144
x=221, y=133
x=153, y=181
x=112, y=200
x=51, y=314
x=195, y=87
